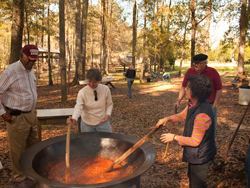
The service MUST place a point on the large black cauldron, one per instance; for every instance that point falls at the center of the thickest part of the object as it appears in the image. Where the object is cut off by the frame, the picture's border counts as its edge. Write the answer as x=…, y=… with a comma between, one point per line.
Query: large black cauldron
x=38, y=159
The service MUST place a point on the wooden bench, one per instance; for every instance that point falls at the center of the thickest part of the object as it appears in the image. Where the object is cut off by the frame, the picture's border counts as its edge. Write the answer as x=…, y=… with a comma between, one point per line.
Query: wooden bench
x=106, y=80
x=53, y=116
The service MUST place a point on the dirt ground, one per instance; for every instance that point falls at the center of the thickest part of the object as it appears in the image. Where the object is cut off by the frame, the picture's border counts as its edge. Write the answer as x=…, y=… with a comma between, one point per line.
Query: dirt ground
x=136, y=116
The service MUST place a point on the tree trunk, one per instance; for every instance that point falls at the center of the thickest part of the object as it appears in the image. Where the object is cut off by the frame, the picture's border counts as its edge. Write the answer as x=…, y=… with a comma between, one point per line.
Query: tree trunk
x=243, y=23
x=37, y=40
x=161, y=50
x=134, y=33
x=49, y=64
x=155, y=46
x=16, y=30
x=207, y=33
x=69, y=54
x=183, y=44
x=104, y=34
x=77, y=42
x=109, y=49
x=27, y=23
x=84, y=32
x=43, y=23
x=92, y=49
x=163, y=55
x=193, y=29
x=91, y=36
x=144, y=42
x=158, y=56
x=62, y=52
x=155, y=62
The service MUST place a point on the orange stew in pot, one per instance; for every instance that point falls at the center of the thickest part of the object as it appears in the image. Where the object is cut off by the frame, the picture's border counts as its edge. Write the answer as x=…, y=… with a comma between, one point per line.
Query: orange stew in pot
x=87, y=171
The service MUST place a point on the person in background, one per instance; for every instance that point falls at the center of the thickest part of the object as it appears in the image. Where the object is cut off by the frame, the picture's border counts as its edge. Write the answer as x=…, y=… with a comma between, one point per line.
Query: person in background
x=94, y=105
x=130, y=74
x=198, y=137
x=200, y=68
x=17, y=107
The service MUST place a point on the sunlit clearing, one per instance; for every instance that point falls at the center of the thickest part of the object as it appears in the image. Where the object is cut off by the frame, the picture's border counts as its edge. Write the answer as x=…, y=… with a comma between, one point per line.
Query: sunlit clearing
x=117, y=96
x=157, y=90
x=46, y=99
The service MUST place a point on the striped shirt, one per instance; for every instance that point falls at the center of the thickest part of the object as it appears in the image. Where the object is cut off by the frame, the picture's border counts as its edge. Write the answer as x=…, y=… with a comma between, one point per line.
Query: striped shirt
x=18, y=88
x=201, y=124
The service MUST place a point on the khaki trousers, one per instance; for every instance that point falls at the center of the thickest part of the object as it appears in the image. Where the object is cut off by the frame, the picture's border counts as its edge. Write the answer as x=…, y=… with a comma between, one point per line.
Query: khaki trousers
x=22, y=133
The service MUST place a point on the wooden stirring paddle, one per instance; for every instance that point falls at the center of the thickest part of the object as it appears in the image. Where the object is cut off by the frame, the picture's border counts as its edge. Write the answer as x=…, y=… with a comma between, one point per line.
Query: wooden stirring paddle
x=165, y=154
x=67, y=171
x=132, y=149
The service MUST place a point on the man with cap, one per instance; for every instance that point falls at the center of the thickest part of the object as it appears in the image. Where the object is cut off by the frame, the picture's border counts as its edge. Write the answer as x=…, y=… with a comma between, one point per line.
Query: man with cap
x=200, y=67
x=17, y=107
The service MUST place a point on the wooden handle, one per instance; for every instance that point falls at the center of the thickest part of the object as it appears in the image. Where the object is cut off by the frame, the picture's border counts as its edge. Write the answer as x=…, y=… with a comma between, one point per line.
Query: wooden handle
x=166, y=151
x=67, y=171
x=165, y=154
x=134, y=147
x=67, y=146
x=231, y=142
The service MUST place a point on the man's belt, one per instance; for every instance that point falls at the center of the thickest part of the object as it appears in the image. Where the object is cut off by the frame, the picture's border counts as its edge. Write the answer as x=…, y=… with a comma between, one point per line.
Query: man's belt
x=211, y=102
x=16, y=112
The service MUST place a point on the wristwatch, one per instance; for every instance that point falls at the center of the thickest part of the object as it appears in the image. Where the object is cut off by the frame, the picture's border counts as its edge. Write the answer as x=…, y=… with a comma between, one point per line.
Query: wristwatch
x=175, y=138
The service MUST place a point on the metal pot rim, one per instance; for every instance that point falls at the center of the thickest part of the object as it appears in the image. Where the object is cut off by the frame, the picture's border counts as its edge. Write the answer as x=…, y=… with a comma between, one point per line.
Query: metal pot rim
x=28, y=156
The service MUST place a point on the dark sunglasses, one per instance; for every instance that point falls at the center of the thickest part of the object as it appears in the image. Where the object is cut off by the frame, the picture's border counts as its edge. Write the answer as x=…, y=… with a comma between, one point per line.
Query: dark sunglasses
x=95, y=93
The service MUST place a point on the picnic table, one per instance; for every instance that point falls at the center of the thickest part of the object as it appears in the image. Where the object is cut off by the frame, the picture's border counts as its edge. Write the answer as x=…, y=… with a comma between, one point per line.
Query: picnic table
x=53, y=116
x=107, y=80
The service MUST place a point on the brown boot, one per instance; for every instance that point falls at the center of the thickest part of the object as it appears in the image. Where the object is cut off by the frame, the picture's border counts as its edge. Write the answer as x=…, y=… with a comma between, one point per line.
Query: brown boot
x=27, y=183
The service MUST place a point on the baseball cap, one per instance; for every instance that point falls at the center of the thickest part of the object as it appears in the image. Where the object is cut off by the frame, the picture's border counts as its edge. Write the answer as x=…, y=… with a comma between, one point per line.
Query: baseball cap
x=31, y=51
x=199, y=57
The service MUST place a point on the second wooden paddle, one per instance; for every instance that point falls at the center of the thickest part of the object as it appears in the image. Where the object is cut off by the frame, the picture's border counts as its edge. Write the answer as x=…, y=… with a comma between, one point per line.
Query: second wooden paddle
x=132, y=149
x=165, y=154
x=67, y=171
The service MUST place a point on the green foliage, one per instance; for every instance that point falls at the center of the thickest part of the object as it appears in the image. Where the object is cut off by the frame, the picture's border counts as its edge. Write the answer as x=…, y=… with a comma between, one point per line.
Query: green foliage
x=171, y=60
x=5, y=11
x=164, y=33
x=247, y=54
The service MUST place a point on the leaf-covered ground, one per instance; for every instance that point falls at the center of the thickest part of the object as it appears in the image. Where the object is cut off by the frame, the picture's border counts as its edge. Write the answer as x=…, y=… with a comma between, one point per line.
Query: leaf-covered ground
x=136, y=116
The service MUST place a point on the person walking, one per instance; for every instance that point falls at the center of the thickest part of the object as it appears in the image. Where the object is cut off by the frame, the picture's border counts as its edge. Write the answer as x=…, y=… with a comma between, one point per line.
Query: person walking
x=130, y=74
x=94, y=105
x=201, y=68
x=17, y=108
x=198, y=137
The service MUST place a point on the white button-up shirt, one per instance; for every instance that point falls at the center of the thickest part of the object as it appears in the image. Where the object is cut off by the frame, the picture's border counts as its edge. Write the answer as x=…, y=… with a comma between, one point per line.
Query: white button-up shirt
x=18, y=88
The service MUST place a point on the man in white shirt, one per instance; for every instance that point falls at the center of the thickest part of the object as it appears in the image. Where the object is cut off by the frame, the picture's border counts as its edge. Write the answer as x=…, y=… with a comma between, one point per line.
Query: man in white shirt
x=17, y=107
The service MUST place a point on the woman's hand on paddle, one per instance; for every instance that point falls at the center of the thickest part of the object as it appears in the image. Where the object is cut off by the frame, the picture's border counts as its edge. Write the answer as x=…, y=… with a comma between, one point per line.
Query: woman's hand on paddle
x=168, y=137
x=70, y=121
x=163, y=121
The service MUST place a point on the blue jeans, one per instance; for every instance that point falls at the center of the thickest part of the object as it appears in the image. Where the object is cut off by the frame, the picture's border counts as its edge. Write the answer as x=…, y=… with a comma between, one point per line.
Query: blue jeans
x=247, y=167
x=130, y=81
x=215, y=118
x=105, y=127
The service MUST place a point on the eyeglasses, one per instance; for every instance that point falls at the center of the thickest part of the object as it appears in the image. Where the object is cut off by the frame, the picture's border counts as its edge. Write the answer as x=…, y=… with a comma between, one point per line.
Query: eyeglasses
x=95, y=93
